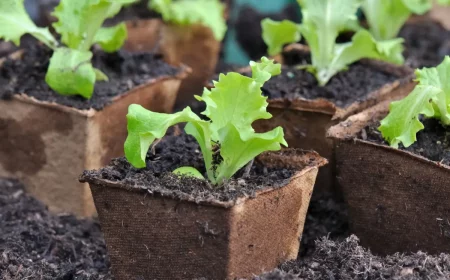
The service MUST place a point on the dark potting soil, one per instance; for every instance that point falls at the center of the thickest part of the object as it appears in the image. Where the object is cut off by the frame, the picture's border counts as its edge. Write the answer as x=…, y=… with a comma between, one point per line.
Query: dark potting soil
x=347, y=260
x=343, y=89
x=433, y=142
x=183, y=150
x=35, y=244
x=427, y=42
x=124, y=70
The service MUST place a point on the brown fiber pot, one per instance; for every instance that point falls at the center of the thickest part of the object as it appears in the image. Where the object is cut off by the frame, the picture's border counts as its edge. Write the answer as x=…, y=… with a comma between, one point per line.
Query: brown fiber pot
x=152, y=236
x=398, y=201
x=305, y=121
x=47, y=145
x=193, y=45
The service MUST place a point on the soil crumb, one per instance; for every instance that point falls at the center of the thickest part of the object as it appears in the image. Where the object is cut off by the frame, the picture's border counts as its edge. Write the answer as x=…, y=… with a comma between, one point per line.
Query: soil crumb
x=347, y=260
x=183, y=150
x=35, y=244
x=124, y=70
x=433, y=142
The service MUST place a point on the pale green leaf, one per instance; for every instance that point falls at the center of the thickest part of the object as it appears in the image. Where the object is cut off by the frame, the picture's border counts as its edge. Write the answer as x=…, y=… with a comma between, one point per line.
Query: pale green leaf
x=443, y=2
x=264, y=70
x=100, y=76
x=323, y=20
x=111, y=39
x=79, y=21
x=188, y=171
x=71, y=73
x=15, y=22
x=431, y=97
x=145, y=126
x=238, y=149
x=386, y=17
x=362, y=46
x=209, y=13
x=276, y=34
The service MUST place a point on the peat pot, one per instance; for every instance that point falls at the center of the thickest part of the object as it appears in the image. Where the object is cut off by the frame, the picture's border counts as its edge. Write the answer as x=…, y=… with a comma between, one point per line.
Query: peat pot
x=398, y=200
x=306, y=111
x=47, y=139
x=156, y=230
x=193, y=45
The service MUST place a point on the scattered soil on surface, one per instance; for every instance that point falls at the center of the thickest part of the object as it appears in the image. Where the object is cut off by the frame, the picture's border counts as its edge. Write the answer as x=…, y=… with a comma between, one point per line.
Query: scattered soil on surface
x=124, y=70
x=326, y=216
x=182, y=150
x=348, y=260
x=343, y=89
x=427, y=42
x=433, y=142
x=35, y=244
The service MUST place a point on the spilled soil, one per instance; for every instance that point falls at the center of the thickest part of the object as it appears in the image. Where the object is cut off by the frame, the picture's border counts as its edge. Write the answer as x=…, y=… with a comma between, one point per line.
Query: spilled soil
x=124, y=70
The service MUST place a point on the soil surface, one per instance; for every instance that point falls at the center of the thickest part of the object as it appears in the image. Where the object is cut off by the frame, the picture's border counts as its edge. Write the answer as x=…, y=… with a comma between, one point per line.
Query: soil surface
x=182, y=150
x=124, y=70
x=348, y=260
x=35, y=244
x=343, y=89
x=427, y=42
x=433, y=142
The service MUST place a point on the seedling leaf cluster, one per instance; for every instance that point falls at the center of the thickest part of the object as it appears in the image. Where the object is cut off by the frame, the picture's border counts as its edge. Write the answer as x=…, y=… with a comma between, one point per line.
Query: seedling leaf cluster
x=431, y=98
x=323, y=21
x=209, y=13
x=227, y=140
x=79, y=23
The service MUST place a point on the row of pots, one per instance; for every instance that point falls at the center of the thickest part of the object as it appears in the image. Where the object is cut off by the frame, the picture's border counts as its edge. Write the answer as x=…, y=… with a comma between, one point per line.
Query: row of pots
x=186, y=238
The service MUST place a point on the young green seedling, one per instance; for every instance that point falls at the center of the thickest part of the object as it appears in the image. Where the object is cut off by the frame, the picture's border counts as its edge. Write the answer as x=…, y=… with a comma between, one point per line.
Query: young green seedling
x=209, y=13
x=323, y=20
x=227, y=141
x=386, y=17
x=431, y=98
x=79, y=24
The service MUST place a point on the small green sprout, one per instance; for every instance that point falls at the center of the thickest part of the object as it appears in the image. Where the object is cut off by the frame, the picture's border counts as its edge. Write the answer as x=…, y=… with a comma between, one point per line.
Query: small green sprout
x=431, y=98
x=323, y=20
x=80, y=25
x=232, y=106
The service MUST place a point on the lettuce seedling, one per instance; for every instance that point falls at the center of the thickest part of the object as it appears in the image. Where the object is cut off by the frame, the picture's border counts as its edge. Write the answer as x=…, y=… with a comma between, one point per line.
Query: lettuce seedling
x=227, y=140
x=431, y=98
x=386, y=17
x=323, y=20
x=209, y=13
x=79, y=24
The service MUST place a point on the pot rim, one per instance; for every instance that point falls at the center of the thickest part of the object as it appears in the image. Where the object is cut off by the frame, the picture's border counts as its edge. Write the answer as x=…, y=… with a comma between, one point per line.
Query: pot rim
x=305, y=161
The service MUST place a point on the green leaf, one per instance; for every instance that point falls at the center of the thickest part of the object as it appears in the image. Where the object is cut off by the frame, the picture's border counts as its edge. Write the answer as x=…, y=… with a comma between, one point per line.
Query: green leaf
x=443, y=2
x=362, y=46
x=386, y=17
x=145, y=126
x=188, y=171
x=111, y=39
x=227, y=140
x=209, y=13
x=264, y=70
x=71, y=73
x=79, y=21
x=431, y=97
x=238, y=148
x=100, y=76
x=276, y=34
x=323, y=20
x=15, y=22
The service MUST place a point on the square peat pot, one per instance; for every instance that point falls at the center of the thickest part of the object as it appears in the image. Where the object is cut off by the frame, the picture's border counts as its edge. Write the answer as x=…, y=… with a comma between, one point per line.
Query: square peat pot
x=398, y=201
x=306, y=111
x=193, y=45
x=46, y=141
x=153, y=232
